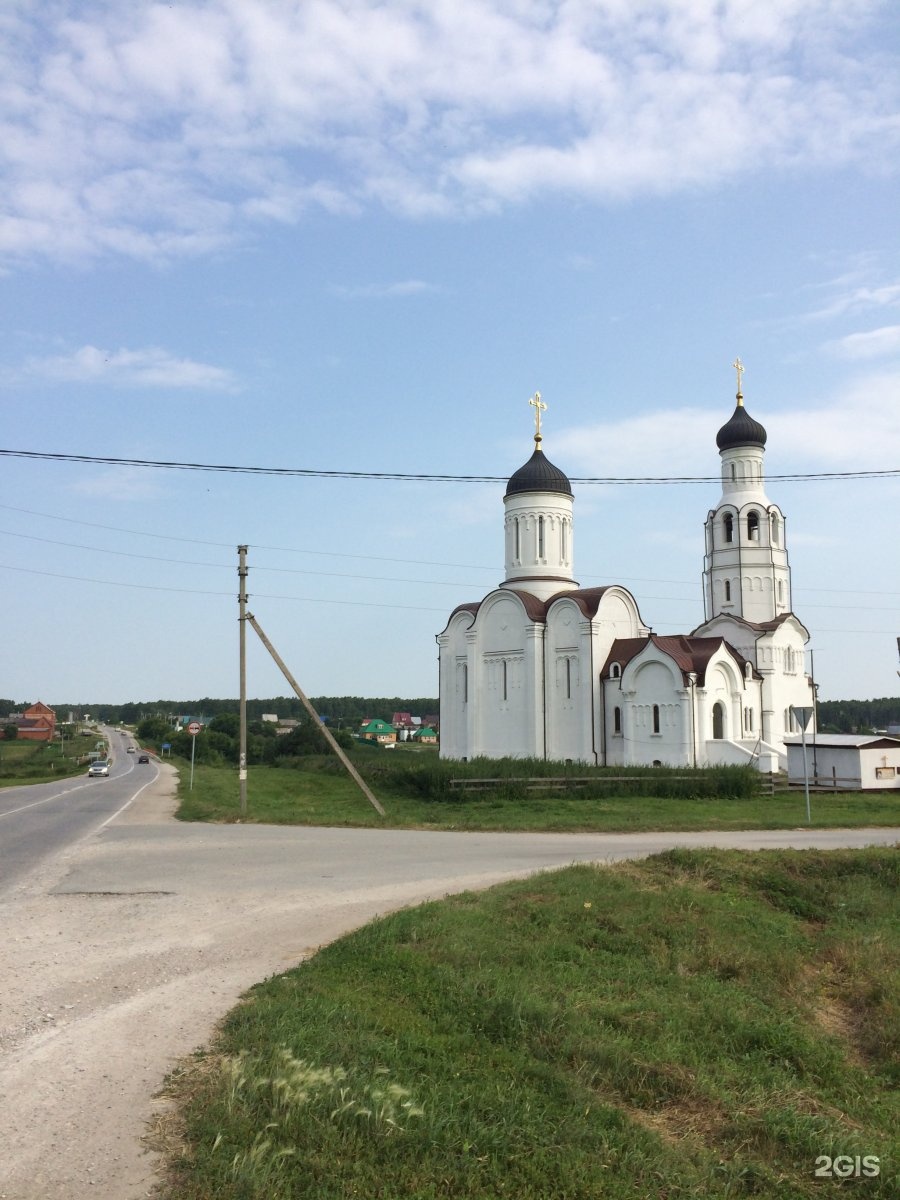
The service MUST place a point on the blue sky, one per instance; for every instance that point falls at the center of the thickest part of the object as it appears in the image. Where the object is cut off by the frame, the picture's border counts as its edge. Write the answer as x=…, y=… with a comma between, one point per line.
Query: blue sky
x=358, y=236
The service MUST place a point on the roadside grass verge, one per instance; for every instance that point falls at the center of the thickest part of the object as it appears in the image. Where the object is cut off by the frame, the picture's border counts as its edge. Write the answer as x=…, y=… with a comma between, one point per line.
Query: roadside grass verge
x=319, y=793
x=24, y=761
x=697, y=1024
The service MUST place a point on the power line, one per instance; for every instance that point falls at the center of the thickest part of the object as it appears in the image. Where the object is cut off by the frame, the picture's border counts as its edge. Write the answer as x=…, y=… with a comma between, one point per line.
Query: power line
x=374, y=558
x=152, y=587
x=423, y=477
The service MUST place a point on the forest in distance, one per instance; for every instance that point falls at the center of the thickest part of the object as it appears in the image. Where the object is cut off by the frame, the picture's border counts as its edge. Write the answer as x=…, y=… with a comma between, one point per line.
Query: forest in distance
x=347, y=712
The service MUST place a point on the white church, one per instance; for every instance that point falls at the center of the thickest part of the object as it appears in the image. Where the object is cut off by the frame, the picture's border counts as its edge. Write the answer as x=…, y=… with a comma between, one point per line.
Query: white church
x=541, y=668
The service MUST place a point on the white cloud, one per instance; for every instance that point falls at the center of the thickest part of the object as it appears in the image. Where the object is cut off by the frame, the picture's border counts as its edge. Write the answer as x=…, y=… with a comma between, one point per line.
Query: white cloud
x=874, y=343
x=121, y=483
x=150, y=367
x=857, y=429
x=382, y=291
x=155, y=131
x=859, y=300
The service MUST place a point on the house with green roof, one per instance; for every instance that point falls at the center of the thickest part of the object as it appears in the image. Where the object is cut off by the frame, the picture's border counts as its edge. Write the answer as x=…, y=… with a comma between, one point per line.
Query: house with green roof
x=378, y=731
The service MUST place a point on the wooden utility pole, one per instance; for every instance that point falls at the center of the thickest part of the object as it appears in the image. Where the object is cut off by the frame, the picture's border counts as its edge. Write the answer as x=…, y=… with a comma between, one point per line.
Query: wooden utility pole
x=326, y=733
x=242, y=621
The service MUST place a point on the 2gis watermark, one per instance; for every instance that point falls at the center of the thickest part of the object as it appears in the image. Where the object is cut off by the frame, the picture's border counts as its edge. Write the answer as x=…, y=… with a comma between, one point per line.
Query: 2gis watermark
x=847, y=1166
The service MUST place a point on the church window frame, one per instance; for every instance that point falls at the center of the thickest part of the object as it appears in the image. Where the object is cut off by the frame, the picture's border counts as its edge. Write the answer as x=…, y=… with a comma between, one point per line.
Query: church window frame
x=505, y=674
x=540, y=537
x=728, y=527
x=465, y=683
x=752, y=525
x=774, y=526
x=781, y=591
x=517, y=538
x=564, y=540
x=727, y=591
x=568, y=679
x=615, y=671
x=617, y=720
x=656, y=728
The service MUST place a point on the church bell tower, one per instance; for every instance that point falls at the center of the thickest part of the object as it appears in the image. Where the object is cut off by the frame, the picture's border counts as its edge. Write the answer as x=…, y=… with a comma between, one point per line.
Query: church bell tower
x=745, y=568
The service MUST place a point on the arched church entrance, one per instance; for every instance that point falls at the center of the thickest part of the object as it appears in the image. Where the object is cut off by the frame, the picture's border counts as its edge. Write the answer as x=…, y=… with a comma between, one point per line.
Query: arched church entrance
x=718, y=716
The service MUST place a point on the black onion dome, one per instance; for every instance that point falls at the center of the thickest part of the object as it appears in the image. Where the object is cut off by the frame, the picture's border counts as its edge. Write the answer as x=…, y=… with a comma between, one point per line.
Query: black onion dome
x=741, y=430
x=538, y=475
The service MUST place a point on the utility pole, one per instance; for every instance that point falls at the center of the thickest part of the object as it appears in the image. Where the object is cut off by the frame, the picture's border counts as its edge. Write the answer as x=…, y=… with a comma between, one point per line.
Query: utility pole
x=242, y=623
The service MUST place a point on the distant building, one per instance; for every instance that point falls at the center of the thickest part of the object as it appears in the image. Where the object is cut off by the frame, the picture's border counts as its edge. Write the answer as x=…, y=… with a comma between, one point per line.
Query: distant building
x=406, y=725
x=36, y=724
x=271, y=717
x=846, y=761
x=379, y=731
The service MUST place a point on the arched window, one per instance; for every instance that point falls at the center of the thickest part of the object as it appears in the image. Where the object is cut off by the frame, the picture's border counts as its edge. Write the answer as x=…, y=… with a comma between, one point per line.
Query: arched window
x=615, y=671
x=727, y=589
x=540, y=546
x=775, y=528
x=564, y=540
x=505, y=681
x=465, y=683
x=617, y=720
x=656, y=718
x=568, y=679
x=518, y=554
x=718, y=716
x=733, y=473
x=728, y=527
x=781, y=591
x=753, y=526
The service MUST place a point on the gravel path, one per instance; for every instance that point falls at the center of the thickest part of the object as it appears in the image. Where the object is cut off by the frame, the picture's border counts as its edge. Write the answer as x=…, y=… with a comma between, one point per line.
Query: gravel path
x=120, y=957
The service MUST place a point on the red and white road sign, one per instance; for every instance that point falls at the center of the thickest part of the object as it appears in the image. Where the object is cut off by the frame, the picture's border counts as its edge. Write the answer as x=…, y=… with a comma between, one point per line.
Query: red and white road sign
x=194, y=728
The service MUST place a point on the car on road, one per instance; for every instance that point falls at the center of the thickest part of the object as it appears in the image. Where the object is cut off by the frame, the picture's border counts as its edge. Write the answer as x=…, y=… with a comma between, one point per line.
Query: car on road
x=100, y=767
x=131, y=749
x=143, y=758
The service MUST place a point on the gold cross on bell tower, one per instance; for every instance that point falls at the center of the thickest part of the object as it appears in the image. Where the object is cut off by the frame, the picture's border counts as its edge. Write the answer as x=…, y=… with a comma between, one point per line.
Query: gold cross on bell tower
x=739, y=367
x=539, y=406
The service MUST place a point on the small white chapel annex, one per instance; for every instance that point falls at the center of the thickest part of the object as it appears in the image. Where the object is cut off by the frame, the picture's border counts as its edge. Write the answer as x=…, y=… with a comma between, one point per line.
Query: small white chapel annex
x=541, y=668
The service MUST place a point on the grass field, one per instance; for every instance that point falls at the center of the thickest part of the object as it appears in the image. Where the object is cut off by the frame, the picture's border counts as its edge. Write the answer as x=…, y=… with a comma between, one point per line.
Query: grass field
x=698, y=1024
x=40, y=762
x=323, y=795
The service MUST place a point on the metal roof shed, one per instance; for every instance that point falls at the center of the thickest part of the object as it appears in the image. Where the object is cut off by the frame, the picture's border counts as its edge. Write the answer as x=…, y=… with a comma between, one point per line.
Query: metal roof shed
x=846, y=761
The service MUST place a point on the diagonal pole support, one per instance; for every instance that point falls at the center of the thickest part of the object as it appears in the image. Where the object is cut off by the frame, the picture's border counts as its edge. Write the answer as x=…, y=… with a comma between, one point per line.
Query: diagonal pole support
x=326, y=733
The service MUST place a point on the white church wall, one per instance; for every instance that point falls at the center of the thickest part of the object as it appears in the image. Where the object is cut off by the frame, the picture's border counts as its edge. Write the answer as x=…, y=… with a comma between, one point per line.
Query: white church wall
x=455, y=682
x=568, y=684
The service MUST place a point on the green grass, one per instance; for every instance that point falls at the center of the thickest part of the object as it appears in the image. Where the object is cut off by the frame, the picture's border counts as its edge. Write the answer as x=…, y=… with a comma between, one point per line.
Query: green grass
x=322, y=794
x=698, y=1024
x=23, y=762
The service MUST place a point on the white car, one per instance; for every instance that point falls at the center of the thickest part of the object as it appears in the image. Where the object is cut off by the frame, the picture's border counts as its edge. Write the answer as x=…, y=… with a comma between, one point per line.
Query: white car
x=100, y=767
x=131, y=749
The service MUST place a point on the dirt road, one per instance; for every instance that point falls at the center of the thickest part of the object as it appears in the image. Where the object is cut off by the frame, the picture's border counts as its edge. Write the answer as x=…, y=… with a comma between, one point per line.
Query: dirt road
x=120, y=957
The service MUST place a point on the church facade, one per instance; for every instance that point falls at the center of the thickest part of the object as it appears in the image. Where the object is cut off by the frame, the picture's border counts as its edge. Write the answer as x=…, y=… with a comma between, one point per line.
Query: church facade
x=541, y=668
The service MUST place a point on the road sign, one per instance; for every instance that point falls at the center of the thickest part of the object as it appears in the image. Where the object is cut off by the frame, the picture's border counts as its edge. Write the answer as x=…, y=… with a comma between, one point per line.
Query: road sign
x=802, y=716
x=194, y=728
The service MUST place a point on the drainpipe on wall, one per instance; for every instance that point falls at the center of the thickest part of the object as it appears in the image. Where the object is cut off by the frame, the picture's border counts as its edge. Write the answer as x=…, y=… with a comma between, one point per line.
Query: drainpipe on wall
x=692, y=679
x=544, y=687
x=593, y=707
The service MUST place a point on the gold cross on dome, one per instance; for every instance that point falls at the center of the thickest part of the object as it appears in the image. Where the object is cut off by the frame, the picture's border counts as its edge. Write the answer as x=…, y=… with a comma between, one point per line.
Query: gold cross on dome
x=539, y=406
x=739, y=367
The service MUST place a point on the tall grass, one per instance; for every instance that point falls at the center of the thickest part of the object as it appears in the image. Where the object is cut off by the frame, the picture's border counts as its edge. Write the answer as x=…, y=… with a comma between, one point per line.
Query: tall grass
x=700, y=1024
x=417, y=793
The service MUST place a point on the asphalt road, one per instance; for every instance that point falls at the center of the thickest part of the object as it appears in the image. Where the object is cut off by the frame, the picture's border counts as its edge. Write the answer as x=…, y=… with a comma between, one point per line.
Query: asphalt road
x=40, y=820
